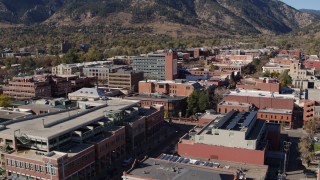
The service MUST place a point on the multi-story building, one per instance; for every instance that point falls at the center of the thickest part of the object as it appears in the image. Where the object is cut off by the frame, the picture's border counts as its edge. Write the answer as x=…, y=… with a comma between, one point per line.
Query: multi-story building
x=141, y=124
x=311, y=108
x=164, y=169
x=272, y=107
x=115, y=76
x=27, y=87
x=225, y=107
x=177, y=87
x=59, y=86
x=235, y=59
x=297, y=72
x=283, y=61
x=79, y=143
x=263, y=84
x=275, y=68
x=67, y=69
x=291, y=54
x=174, y=106
x=158, y=66
x=202, y=72
x=126, y=79
x=261, y=99
x=278, y=116
x=75, y=69
x=237, y=137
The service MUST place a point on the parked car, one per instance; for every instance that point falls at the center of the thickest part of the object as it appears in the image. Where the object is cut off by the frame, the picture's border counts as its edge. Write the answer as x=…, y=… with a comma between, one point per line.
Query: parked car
x=127, y=162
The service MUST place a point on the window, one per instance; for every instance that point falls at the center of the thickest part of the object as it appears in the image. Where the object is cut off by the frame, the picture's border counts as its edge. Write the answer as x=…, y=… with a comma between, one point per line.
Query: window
x=188, y=88
x=8, y=162
x=17, y=163
x=37, y=168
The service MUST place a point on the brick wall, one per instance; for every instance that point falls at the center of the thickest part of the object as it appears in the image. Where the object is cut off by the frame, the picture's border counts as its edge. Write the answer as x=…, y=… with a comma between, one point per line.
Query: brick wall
x=211, y=152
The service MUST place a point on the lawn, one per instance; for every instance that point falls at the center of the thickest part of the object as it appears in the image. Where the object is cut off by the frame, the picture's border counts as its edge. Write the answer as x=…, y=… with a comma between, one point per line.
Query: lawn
x=316, y=146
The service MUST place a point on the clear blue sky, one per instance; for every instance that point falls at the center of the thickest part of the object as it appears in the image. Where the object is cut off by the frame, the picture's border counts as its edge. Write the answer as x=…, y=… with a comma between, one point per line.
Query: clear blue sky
x=304, y=4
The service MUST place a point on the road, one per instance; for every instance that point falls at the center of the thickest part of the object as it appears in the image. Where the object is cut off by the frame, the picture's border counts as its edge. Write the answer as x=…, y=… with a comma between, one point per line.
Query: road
x=295, y=169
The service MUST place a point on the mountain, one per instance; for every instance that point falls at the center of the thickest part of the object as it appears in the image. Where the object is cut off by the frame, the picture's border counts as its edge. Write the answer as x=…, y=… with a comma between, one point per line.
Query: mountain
x=206, y=16
x=311, y=11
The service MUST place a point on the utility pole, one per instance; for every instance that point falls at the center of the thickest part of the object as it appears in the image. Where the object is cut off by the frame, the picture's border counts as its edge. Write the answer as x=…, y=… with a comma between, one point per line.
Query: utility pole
x=286, y=148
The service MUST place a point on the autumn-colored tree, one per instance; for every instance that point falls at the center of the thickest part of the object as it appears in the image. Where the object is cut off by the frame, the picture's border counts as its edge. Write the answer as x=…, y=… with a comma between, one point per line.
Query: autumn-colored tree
x=5, y=101
x=305, y=148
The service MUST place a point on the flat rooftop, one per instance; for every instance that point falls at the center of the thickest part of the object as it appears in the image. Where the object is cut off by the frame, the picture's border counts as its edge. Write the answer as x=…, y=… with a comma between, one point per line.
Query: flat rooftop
x=155, y=97
x=235, y=120
x=253, y=171
x=210, y=116
x=178, y=81
x=161, y=169
x=6, y=115
x=229, y=103
x=70, y=150
x=254, y=93
x=34, y=127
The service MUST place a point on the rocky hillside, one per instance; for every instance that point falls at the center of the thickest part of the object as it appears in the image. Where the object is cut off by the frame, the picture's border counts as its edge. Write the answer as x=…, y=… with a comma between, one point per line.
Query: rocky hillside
x=218, y=16
x=311, y=11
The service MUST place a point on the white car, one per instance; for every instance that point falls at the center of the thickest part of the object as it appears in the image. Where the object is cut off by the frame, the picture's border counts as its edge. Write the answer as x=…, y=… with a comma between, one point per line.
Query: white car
x=316, y=139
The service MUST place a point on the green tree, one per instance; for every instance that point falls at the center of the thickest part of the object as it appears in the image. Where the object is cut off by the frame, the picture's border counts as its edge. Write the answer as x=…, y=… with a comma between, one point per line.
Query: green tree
x=198, y=102
x=266, y=74
x=285, y=78
x=92, y=55
x=5, y=101
x=192, y=101
x=203, y=101
x=70, y=57
x=275, y=75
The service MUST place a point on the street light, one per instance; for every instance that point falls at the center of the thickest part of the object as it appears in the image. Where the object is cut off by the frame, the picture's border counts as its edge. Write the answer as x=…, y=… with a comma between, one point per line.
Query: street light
x=286, y=148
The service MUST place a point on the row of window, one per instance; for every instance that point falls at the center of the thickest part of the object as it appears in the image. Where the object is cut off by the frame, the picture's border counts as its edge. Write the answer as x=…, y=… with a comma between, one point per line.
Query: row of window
x=79, y=161
x=120, y=137
x=49, y=169
x=274, y=117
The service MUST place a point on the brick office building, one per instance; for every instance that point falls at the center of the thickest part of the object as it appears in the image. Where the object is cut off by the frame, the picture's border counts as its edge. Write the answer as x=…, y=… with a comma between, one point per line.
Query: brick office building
x=237, y=137
x=178, y=87
x=261, y=99
x=27, y=87
x=262, y=84
x=174, y=106
x=141, y=124
x=272, y=107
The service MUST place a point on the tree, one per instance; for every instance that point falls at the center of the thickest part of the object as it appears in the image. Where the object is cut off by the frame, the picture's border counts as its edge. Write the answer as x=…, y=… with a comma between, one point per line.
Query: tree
x=70, y=57
x=266, y=74
x=305, y=148
x=203, y=101
x=198, y=102
x=5, y=101
x=213, y=67
x=312, y=126
x=285, y=78
x=92, y=55
x=275, y=75
x=192, y=101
